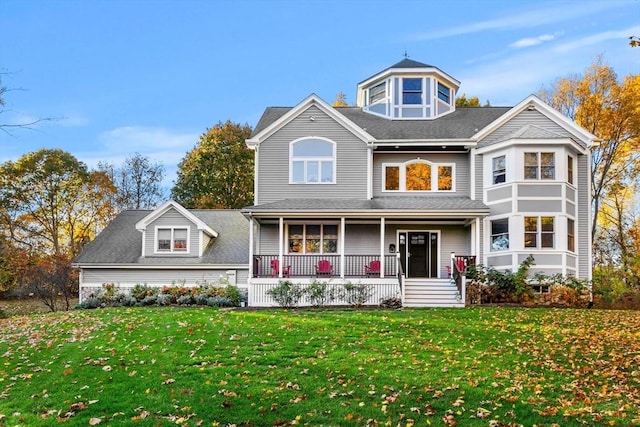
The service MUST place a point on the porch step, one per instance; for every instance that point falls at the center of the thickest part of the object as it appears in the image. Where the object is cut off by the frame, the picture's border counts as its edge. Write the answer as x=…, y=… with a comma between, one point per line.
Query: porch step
x=431, y=293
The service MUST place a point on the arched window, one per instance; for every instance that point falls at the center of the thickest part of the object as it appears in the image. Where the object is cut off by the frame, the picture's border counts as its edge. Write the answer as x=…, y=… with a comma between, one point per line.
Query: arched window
x=418, y=175
x=313, y=161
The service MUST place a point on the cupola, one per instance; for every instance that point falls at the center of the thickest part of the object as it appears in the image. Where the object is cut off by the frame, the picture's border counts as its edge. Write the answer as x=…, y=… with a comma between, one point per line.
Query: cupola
x=408, y=90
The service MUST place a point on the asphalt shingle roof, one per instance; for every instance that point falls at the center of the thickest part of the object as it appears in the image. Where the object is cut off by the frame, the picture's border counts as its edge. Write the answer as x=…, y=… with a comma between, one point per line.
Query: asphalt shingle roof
x=463, y=123
x=121, y=243
x=444, y=204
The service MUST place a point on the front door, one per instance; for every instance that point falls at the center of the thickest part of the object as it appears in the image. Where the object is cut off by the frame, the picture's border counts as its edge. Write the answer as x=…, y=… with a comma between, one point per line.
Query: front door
x=419, y=253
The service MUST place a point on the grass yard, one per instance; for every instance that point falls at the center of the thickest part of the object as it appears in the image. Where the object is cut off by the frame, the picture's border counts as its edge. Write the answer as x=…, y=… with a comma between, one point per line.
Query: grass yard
x=441, y=367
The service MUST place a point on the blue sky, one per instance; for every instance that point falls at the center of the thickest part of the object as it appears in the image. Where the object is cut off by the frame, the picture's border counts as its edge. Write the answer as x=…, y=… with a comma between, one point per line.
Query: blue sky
x=151, y=76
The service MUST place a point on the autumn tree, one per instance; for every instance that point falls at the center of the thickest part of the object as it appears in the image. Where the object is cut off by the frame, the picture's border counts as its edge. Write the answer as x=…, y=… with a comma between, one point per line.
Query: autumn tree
x=218, y=172
x=609, y=109
x=474, y=101
x=138, y=182
x=340, y=101
x=50, y=205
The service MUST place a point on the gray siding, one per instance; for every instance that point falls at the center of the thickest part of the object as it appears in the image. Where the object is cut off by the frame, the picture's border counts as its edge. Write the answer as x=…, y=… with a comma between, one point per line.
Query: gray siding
x=542, y=206
x=273, y=161
x=538, y=190
x=462, y=171
x=499, y=260
x=171, y=218
x=364, y=239
x=542, y=259
x=583, y=224
x=501, y=208
x=499, y=193
x=524, y=118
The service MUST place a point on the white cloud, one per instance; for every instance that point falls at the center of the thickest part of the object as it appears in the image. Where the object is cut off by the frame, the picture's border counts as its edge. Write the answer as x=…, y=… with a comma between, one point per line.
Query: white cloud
x=532, y=41
x=597, y=38
x=545, y=13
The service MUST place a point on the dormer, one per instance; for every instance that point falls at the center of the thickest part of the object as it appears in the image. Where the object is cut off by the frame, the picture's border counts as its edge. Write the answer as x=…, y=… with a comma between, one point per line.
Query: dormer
x=408, y=90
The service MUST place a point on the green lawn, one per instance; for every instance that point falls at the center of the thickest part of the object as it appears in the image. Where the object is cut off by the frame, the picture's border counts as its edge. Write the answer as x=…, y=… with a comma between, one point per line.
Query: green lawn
x=202, y=366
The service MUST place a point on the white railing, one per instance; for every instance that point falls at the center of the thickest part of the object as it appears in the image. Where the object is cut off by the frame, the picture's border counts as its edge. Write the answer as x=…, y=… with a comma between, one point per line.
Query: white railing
x=377, y=290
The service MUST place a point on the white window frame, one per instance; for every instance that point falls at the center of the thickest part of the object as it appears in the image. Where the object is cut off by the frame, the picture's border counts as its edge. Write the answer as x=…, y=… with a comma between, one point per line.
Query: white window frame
x=497, y=236
x=309, y=159
x=571, y=177
x=571, y=235
x=539, y=175
x=539, y=232
x=304, y=238
x=172, y=249
x=403, y=176
x=493, y=170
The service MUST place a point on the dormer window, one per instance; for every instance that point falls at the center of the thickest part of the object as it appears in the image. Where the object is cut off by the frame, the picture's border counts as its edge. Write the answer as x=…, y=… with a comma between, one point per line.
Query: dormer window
x=172, y=239
x=412, y=91
x=377, y=93
x=409, y=90
x=444, y=93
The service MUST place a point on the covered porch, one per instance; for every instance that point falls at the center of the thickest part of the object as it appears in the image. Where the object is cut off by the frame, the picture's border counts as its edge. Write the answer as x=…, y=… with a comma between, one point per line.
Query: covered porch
x=392, y=250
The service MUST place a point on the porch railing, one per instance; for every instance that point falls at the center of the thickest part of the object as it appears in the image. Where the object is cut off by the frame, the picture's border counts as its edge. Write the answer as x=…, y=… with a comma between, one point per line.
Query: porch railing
x=306, y=265
x=459, y=267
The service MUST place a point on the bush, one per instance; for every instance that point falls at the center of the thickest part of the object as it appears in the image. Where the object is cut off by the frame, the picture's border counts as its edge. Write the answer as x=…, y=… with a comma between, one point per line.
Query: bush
x=320, y=294
x=164, y=299
x=185, y=300
x=149, y=300
x=494, y=286
x=286, y=294
x=356, y=295
x=139, y=291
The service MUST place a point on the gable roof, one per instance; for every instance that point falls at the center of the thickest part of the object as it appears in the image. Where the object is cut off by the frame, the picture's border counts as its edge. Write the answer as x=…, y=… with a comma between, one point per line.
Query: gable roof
x=120, y=244
x=582, y=137
x=462, y=123
x=165, y=207
x=269, y=128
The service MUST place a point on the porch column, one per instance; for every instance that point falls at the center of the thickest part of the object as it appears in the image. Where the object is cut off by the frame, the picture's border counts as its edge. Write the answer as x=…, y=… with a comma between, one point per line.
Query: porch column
x=280, y=245
x=252, y=262
x=382, y=229
x=341, y=240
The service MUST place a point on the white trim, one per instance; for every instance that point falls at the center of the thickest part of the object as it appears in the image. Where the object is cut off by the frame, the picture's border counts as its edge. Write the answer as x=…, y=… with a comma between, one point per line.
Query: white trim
x=311, y=100
x=319, y=159
x=402, y=176
x=171, y=204
x=171, y=250
x=536, y=103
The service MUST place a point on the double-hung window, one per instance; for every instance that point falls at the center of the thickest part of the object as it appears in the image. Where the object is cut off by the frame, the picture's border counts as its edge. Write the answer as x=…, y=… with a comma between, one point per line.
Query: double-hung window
x=539, y=232
x=444, y=94
x=499, y=169
x=173, y=239
x=500, y=234
x=313, y=161
x=412, y=91
x=539, y=166
x=570, y=169
x=377, y=93
x=571, y=239
x=313, y=238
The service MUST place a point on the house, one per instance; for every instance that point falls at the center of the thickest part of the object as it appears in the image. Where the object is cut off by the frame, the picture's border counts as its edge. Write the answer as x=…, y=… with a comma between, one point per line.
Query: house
x=399, y=194
x=169, y=245
x=405, y=188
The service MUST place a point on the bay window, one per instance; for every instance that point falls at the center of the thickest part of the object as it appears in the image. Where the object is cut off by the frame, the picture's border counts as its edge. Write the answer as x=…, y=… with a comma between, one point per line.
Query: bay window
x=500, y=234
x=539, y=232
x=539, y=166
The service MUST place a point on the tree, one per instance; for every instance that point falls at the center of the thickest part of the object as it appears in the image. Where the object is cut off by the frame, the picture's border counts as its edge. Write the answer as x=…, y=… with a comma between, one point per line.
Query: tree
x=218, y=172
x=341, y=100
x=7, y=127
x=462, y=101
x=609, y=109
x=138, y=182
x=634, y=41
x=50, y=206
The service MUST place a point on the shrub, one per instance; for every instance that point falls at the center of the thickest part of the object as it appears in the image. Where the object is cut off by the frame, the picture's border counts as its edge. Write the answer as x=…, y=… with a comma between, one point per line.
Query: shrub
x=494, y=286
x=140, y=291
x=356, y=295
x=286, y=294
x=164, y=299
x=185, y=300
x=149, y=300
x=320, y=294
x=219, y=301
x=129, y=301
x=201, y=299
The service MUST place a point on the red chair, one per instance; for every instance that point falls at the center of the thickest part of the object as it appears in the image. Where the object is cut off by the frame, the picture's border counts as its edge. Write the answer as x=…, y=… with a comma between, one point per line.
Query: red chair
x=275, y=269
x=373, y=269
x=324, y=268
